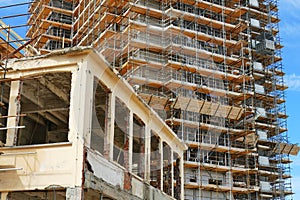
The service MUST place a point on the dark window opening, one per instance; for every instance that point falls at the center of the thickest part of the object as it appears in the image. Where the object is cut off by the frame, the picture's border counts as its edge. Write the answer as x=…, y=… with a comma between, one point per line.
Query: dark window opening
x=138, y=154
x=121, y=133
x=59, y=32
x=167, y=169
x=99, y=116
x=52, y=44
x=155, y=160
x=61, y=4
x=44, y=103
x=215, y=182
x=177, y=177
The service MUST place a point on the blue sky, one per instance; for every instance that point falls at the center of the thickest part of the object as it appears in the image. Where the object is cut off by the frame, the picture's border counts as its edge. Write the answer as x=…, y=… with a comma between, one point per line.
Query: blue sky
x=289, y=11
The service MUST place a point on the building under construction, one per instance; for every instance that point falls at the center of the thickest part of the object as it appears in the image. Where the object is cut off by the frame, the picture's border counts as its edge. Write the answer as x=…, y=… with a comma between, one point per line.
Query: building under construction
x=210, y=69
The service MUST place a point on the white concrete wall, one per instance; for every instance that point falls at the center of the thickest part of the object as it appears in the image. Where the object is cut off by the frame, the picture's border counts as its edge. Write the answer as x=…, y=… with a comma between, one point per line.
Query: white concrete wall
x=38, y=166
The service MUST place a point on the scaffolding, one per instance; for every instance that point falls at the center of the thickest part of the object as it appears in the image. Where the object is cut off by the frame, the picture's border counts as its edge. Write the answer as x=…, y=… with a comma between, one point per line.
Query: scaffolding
x=211, y=69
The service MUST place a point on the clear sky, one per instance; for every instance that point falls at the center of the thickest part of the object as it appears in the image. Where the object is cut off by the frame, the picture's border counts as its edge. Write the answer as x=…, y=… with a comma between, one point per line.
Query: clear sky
x=289, y=12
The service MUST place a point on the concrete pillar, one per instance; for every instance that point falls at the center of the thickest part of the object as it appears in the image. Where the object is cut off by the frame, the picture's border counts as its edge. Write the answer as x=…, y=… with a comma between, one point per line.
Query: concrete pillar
x=182, y=176
x=177, y=177
x=142, y=160
x=130, y=137
x=4, y=195
x=74, y=193
x=172, y=173
x=161, y=150
x=111, y=127
x=147, y=153
x=108, y=128
x=127, y=155
x=14, y=99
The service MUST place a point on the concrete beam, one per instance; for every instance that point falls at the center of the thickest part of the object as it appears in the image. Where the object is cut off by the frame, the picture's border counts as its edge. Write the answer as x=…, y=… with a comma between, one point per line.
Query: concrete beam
x=59, y=116
x=34, y=99
x=74, y=193
x=27, y=109
x=51, y=118
x=55, y=90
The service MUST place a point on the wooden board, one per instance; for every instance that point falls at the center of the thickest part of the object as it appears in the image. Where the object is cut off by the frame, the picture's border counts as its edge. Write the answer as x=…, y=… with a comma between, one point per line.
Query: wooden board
x=234, y=113
x=195, y=105
x=291, y=149
x=157, y=102
x=223, y=111
x=209, y=108
x=182, y=103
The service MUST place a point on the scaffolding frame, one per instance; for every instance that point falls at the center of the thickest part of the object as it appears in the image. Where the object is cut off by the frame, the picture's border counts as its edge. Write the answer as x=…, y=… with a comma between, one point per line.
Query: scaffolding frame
x=211, y=69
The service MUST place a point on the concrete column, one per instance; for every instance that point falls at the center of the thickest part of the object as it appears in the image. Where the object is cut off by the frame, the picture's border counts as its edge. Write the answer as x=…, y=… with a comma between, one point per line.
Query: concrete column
x=182, y=177
x=161, y=150
x=176, y=170
x=143, y=157
x=147, y=153
x=172, y=173
x=4, y=195
x=127, y=147
x=74, y=193
x=130, y=137
x=14, y=99
x=127, y=154
x=108, y=128
x=111, y=127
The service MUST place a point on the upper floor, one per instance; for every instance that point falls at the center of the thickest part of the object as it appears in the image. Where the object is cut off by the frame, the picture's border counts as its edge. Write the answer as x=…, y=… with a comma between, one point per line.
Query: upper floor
x=68, y=120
